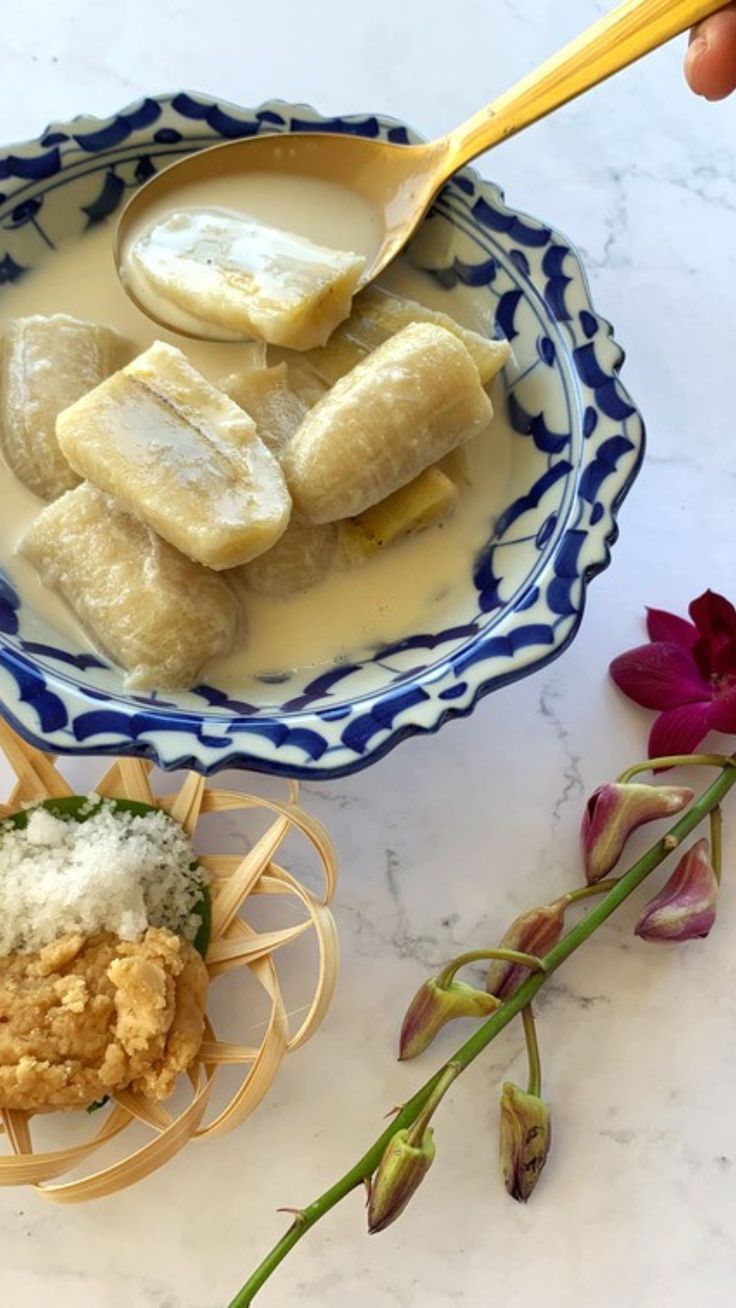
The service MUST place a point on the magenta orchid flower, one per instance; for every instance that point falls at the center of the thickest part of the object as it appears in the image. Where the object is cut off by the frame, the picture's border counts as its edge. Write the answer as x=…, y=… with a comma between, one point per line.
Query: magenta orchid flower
x=687, y=672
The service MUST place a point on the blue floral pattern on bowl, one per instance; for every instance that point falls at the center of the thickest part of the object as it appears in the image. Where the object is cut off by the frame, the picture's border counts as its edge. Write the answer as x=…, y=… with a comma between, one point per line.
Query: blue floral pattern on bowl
x=581, y=437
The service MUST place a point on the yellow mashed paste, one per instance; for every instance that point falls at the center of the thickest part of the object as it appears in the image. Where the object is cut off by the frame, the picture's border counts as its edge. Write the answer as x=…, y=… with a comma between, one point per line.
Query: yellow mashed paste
x=88, y=1016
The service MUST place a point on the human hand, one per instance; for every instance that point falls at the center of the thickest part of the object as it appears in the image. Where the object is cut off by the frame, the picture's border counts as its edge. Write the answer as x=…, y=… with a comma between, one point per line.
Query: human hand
x=710, y=63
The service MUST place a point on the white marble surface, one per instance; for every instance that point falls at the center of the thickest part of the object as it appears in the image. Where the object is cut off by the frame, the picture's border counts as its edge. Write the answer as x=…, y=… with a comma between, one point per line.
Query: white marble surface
x=446, y=839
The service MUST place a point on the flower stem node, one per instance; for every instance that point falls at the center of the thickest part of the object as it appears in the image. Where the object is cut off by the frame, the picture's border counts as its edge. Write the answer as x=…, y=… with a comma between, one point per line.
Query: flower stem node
x=685, y=908
x=534, y=932
x=433, y=1005
x=296, y=1213
x=524, y=1141
x=400, y=1172
x=614, y=811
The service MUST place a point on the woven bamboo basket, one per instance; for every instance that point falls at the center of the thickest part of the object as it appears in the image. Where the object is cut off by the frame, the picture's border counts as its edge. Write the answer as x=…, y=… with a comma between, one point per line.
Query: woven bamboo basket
x=234, y=879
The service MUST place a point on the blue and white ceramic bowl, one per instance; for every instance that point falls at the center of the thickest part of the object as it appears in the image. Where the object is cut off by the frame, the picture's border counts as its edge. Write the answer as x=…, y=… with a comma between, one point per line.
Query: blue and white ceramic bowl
x=576, y=444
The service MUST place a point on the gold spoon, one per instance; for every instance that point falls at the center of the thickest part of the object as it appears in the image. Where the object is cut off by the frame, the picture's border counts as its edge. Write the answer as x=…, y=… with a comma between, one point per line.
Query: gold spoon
x=399, y=182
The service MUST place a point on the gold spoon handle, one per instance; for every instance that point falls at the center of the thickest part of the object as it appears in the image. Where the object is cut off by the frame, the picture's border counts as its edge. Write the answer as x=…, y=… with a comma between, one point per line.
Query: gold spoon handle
x=628, y=32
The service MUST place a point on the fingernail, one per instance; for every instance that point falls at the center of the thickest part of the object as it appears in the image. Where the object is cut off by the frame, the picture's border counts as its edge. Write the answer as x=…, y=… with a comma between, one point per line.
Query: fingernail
x=696, y=50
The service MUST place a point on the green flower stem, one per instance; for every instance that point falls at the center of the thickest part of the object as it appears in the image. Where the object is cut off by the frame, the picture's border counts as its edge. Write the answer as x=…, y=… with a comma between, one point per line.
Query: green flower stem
x=477, y=955
x=678, y=761
x=534, y=1086
x=588, y=892
x=716, y=841
x=363, y=1169
x=422, y=1120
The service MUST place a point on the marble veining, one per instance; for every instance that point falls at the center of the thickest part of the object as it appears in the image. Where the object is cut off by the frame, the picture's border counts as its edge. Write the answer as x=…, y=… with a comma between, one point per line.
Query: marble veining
x=444, y=841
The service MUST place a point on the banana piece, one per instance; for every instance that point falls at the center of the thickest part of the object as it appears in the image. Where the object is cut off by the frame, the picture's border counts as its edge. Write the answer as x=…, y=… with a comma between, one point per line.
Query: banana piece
x=426, y=500
x=305, y=382
x=181, y=456
x=269, y=399
x=231, y=272
x=47, y=364
x=402, y=409
x=305, y=553
x=153, y=611
x=303, y=379
x=297, y=562
x=379, y=314
x=252, y=355
x=456, y=466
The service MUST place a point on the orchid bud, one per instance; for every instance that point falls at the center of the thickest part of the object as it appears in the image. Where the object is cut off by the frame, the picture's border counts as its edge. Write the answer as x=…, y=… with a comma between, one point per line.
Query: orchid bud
x=685, y=908
x=525, y=1140
x=534, y=932
x=400, y=1172
x=614, y=811
x=432, y=1006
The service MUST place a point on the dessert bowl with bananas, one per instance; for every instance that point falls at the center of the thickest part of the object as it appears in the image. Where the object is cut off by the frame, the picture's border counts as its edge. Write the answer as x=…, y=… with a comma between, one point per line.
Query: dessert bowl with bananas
x=340, y=520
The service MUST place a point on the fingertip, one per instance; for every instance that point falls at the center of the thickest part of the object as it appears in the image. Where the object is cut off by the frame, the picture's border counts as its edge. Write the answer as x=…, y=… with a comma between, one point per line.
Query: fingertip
x=710, y=62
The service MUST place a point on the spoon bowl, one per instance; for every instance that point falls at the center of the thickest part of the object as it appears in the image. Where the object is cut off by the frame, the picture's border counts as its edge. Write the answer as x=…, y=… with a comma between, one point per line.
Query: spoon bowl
x=397, y=183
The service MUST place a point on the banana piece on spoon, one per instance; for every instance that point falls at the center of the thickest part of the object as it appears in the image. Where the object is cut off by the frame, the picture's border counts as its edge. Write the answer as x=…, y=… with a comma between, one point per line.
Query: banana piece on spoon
x=405, y=407
x=180, y=455
x=226, y=271
x=47, y=364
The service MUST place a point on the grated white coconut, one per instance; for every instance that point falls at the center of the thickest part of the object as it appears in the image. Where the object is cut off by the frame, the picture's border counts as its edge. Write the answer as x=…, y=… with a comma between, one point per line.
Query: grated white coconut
x=116, y=871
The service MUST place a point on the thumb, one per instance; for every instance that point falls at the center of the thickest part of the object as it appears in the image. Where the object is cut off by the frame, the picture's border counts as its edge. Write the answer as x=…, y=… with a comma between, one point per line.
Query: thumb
x=710, y=63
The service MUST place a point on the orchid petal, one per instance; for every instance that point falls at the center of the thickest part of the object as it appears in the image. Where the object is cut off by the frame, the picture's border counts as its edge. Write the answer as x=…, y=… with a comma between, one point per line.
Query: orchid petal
x=723, y=711
x=659, y=676
x=715, y=619
x=662, y=625
x=680, y=730
x=714, y=616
